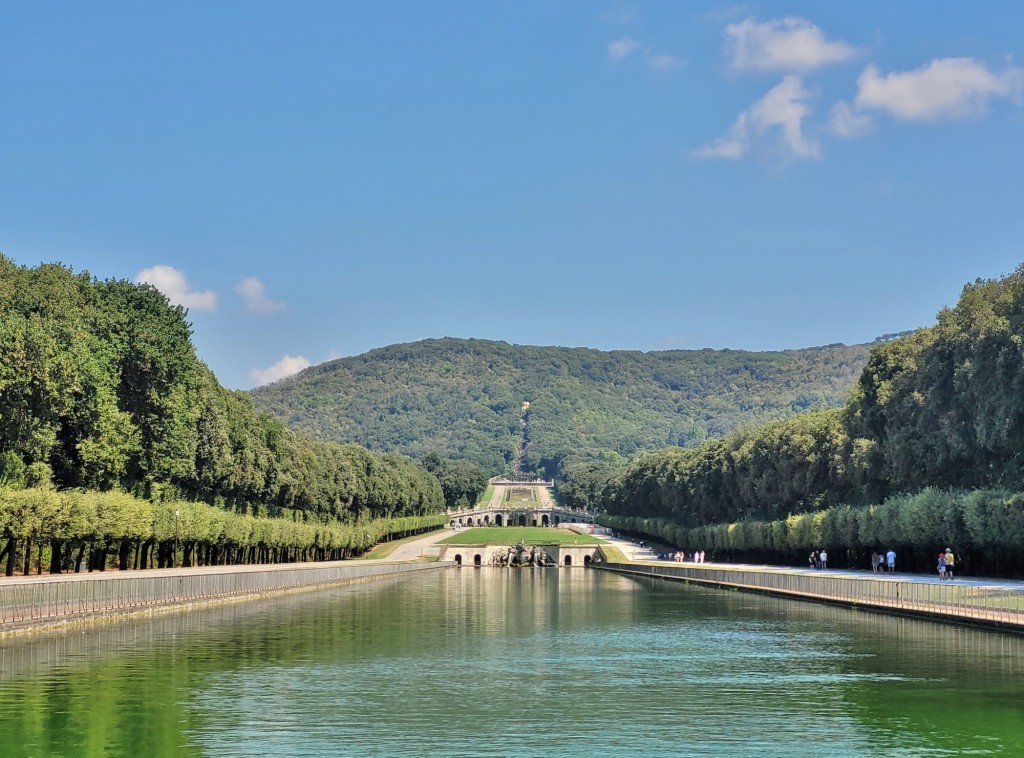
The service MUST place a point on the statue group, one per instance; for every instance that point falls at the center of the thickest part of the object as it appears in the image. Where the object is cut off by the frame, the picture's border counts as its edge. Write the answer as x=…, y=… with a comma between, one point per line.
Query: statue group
x=521, y=555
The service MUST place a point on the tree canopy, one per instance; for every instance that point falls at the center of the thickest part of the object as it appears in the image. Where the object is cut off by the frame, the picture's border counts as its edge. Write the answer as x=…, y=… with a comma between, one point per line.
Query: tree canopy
x=938, y=410
x=101, y=389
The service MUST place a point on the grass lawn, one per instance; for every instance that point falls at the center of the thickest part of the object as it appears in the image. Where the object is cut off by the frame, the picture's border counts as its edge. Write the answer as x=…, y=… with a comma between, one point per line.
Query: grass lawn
x=614, y=555
x=486, y=497
x=510, y=535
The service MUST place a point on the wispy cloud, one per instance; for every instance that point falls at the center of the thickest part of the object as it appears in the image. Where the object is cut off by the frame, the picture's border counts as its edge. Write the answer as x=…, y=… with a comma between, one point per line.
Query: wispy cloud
x=622, y=49
x=945, y=88
x=253, y=291
x=626, y=47
x=174, y=285
x=847, y=122
x=783, y=44
x=290, y=364
x=781, y=112
x=665, y=62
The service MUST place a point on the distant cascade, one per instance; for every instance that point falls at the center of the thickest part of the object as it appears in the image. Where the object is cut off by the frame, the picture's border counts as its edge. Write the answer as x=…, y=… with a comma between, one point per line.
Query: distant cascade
x=519, y=474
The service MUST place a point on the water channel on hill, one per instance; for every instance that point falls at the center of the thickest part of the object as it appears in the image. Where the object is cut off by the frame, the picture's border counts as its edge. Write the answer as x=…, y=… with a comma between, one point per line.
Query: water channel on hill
x=528, y=662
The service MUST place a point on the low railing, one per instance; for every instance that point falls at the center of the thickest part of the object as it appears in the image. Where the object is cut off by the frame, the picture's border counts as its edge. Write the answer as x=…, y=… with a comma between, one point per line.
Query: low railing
x=995, y=604
x=57, y=599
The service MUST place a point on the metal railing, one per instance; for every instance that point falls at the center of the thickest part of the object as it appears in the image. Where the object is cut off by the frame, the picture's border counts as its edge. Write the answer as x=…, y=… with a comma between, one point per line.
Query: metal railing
x=996, y=604
x=58, y=599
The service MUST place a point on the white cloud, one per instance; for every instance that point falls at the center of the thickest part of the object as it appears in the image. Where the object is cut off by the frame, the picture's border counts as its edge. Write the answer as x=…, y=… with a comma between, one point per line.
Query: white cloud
x=290, y=364
x=665, y=62
x=253, y=292
x=173, y=284
x=943, y=88
x=782, y=110
x=622, y=49
x=847, y=122
x=782, y=44
x=731, y=145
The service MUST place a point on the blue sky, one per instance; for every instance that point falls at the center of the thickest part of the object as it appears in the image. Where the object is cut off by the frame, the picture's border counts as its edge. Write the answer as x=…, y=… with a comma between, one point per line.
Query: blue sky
x=316, y=179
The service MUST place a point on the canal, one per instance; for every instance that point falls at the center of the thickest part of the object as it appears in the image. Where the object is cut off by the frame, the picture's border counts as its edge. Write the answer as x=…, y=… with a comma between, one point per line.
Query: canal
x=530, y=662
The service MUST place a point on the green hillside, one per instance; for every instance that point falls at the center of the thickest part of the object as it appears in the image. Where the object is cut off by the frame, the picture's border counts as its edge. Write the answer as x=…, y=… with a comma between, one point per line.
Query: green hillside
x=465, y=397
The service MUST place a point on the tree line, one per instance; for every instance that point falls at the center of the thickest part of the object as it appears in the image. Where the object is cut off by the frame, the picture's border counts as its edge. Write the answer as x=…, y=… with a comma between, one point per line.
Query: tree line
x=101, y=391
x=940, y=408
x=984, y=526
x=81, y=529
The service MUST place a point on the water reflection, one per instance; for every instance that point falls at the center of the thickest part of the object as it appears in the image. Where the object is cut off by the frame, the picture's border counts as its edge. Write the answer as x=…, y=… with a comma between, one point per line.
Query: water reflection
x=528, y=662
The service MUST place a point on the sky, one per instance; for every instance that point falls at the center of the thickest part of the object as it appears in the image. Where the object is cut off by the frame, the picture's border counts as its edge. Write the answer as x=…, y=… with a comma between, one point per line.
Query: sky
x=313, y=179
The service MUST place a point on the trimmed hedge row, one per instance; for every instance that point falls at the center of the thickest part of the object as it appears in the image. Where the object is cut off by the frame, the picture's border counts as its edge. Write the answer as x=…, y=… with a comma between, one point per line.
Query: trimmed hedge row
x=985, y=526
x=63, y=526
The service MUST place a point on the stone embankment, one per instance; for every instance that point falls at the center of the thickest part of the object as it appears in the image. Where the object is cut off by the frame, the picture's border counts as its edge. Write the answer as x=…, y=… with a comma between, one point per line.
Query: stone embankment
x=35, y=602
x=995, y=603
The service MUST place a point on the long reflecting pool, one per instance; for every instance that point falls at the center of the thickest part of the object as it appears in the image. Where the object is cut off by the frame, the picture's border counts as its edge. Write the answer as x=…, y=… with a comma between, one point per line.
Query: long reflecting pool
x=531, y=662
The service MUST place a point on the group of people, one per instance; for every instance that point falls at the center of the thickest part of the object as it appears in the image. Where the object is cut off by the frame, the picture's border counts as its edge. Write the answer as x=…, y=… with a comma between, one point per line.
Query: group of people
x=883, y=561
x=818, y=560
x=680, y=556
x=947, y=562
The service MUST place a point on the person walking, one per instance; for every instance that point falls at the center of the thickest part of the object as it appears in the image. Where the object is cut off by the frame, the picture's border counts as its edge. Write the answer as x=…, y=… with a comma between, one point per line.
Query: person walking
x=942, y=566
x=875, y=560
x=950, y=562
x=890, y=560
x=823, y=560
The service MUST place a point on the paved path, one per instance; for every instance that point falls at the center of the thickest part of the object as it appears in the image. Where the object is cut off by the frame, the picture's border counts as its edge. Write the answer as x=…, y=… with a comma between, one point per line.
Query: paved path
x=413, y=550
x=636, y=554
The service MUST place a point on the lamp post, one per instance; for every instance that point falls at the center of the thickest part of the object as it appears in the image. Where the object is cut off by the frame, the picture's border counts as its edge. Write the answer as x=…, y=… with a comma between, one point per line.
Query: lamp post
x=174, y=556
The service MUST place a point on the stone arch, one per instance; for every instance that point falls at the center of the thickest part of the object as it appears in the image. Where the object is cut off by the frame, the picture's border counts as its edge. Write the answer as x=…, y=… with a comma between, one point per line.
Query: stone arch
x=544, y=520
x=522, y=520
x=497, y=520
x=568, y=561
x=487, y=520
x=458, y=559
x=556, y=520
x=477, y=560
x=586, y=561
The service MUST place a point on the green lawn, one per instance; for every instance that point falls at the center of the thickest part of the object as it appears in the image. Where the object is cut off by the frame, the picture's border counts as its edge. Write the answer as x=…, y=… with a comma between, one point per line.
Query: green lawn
x=510, y=535
x=614, y=555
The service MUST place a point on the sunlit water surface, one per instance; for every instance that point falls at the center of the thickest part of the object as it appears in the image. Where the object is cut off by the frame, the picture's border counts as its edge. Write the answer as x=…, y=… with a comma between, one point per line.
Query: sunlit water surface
x=531, y=662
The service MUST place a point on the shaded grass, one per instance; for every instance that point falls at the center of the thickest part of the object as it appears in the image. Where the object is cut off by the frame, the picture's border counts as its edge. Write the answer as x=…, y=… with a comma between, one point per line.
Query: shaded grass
x=510, y=535
x=613, y=554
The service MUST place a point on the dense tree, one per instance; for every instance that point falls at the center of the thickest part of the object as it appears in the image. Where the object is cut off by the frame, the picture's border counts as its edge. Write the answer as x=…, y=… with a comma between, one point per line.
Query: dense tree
x=935, y=411
x=462, y=481
x=101, y=390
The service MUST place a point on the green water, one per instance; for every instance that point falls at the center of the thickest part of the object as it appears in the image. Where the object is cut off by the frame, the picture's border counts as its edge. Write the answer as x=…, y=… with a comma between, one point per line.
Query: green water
x=518, y=663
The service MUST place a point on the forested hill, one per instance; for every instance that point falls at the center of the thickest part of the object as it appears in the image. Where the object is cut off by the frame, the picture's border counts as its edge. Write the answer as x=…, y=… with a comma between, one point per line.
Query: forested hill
x=465, y=397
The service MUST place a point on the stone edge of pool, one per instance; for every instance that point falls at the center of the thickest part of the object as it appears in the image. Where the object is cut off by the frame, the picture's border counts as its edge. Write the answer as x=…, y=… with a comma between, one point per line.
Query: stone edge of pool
x=995, y=604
